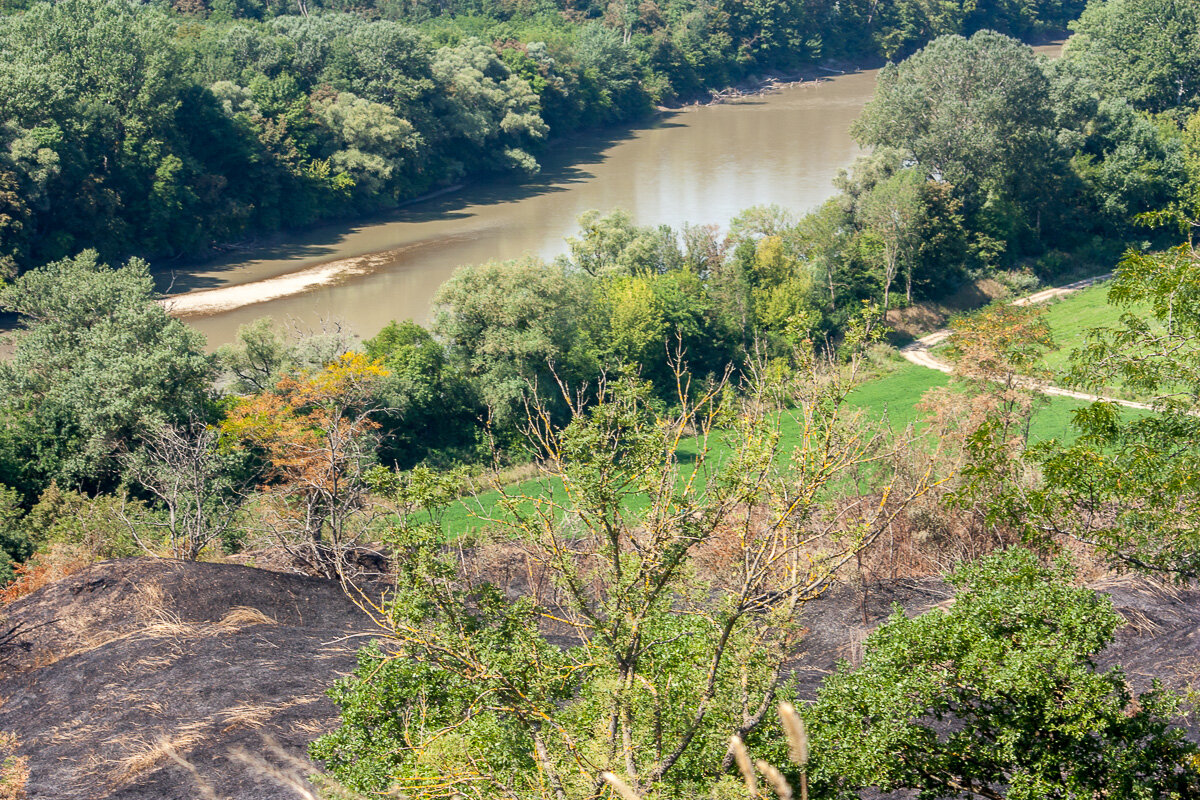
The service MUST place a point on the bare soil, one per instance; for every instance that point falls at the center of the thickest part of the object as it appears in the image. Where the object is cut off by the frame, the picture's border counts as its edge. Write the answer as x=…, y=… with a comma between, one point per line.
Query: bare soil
x=211, y=658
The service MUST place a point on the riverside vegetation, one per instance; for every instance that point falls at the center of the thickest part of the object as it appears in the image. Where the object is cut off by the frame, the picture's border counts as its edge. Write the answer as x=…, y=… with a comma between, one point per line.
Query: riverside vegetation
x=682, y=401
x=158, y=129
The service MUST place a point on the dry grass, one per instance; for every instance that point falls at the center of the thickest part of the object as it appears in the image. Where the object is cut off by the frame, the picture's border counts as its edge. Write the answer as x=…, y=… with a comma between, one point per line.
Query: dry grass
x=244, y=617
x=147, y=755
x=255, y=715
x=47, y=567
x=248, y=715
x=312, y=728
x=159, y=622
x=14, y=769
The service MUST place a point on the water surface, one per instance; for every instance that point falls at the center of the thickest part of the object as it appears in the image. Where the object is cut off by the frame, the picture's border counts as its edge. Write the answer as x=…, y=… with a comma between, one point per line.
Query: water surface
x=700, y=165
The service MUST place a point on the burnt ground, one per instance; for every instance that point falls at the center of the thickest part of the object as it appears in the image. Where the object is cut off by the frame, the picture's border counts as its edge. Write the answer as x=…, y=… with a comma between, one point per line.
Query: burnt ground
x=209, y=657
x=215, y=657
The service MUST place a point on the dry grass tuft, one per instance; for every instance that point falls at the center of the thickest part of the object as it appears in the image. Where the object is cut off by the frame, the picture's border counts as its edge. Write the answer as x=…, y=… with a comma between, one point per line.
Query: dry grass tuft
x=742, y=758
x=619, y=786
x=248, y=715
x=244, y=617
x=158, y=622
x=149, y=755
x=47, y=567
x=14, y=769
x=312, y=728
x=255, y=715
x=797, y=734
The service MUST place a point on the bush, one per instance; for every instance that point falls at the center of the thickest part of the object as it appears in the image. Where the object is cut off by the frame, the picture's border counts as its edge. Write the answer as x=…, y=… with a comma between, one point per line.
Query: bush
x=999, y=696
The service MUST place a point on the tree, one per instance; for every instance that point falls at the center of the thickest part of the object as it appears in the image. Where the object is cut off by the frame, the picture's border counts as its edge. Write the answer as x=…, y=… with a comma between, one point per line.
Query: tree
x=975, y=112
x=15, y=544
x=1143, y=50
x=429, y=408
x=998, y=350
x=1130, y=483
x=891, y=215
x=98, y=365
x=317, y=435
x=999, y=696
x=508, y=324
x=673, y=576
x=193, y=479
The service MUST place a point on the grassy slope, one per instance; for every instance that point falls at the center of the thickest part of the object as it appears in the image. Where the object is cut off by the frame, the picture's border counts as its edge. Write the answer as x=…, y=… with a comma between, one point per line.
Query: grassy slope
x=895, y=394
x=1071, y=318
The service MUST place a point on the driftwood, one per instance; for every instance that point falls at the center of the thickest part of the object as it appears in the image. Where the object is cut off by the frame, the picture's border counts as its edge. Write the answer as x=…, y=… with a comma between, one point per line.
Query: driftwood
x=719, y=96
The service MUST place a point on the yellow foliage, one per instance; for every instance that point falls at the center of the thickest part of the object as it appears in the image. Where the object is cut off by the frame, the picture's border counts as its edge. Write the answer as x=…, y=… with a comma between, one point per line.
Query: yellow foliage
x=636, y=317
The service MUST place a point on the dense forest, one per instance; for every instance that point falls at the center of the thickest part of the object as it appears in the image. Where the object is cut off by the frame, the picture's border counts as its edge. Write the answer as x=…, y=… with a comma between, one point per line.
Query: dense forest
x=605, y=490
x=158, y=130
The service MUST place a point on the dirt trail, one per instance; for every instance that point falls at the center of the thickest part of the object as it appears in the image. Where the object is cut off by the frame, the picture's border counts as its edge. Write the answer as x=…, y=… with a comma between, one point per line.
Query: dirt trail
x=920, y=351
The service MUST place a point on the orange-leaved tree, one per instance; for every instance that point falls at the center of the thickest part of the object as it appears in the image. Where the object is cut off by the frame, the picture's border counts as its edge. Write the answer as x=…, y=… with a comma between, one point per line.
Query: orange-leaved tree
x=316, y=435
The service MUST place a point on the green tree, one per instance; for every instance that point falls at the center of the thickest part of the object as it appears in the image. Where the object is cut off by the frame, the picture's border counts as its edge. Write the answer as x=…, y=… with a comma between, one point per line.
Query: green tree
x=15, y=544
x=1130, y=483
x=999, y=696
x=975, y=112
x=891, y=215
x=1146, y=51
x=509, y=325
x=429, y=410
x=98, y=364
x=674, y=576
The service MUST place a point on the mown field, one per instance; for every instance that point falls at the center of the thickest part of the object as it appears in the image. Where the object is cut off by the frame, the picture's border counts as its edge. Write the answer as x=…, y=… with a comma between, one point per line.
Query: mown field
x=895, y=396
x=1071, y=319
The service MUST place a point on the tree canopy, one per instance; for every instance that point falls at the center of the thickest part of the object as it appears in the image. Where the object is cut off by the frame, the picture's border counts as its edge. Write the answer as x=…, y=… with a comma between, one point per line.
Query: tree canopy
x=999, y=696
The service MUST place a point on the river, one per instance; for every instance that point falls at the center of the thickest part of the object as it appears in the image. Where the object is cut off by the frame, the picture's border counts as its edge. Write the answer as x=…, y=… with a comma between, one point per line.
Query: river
x=700, y=165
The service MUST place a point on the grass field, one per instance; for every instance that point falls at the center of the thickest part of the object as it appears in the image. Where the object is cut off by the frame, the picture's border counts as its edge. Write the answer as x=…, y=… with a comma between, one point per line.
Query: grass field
x=1071, y=318
x=895, y=395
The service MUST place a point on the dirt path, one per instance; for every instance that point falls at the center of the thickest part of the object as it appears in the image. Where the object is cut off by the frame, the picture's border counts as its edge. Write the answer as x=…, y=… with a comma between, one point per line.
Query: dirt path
x=920, y=351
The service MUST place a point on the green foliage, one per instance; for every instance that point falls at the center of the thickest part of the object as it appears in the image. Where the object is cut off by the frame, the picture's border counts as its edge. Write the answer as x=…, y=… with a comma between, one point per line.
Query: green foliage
x=98, y=364
x=1143, y=50
x=90, y=525
x=15, y=544
x=508, y=324
x=663, y=599
x=975, y=112
x=1129, y=484
x=999, y=696
x=430, y=409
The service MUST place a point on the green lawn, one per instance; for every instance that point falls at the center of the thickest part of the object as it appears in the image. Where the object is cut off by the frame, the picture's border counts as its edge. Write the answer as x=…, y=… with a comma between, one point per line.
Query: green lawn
x=1071, y=318
x=895, y=395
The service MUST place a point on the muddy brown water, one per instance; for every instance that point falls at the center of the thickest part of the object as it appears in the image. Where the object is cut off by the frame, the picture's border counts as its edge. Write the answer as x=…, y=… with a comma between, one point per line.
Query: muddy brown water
x=700, y=165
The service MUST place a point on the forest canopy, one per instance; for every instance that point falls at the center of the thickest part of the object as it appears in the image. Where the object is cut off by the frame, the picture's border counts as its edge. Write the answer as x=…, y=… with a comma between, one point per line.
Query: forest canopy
x=157, y=130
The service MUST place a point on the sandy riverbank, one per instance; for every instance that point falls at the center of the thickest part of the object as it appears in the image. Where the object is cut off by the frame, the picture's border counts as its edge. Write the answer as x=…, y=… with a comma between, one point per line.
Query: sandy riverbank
x=226, y=298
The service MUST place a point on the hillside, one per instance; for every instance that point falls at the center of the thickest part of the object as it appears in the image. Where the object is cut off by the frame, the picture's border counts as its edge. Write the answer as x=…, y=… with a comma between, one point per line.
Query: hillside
x=210, y=657
x=215, y=657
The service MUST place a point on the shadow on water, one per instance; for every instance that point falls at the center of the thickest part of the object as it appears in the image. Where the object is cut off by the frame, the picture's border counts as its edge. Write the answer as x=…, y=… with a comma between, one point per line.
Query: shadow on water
x=564, y=163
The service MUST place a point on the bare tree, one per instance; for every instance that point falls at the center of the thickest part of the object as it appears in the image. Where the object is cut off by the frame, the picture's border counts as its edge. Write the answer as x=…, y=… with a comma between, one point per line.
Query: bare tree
x=183, y=467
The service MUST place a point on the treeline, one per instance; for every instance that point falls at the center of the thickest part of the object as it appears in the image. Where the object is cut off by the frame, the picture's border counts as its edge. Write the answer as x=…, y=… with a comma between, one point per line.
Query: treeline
x=159, y=130
x=984, y=157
